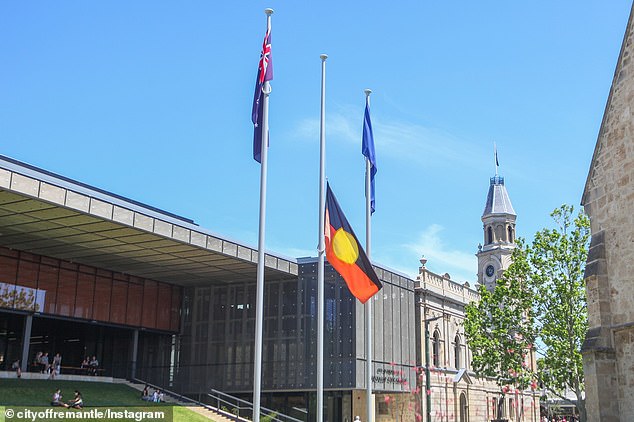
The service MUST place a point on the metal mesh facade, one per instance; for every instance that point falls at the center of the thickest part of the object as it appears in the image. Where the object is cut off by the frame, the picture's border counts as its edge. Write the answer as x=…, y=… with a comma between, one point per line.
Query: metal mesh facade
x=219, y=324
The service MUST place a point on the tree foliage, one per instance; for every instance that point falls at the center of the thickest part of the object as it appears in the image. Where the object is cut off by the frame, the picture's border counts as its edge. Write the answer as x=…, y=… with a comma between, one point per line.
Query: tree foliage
x=500, y=330
x=558, y=261
x=538, y=301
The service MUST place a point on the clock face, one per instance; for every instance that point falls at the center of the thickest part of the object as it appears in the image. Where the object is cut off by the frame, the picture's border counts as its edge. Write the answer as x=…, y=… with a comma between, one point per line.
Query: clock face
x=490, y=270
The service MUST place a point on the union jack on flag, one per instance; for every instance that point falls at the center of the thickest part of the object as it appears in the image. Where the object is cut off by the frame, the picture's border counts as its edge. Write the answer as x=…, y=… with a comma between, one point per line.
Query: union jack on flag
x=265, y=66
x=265, y=73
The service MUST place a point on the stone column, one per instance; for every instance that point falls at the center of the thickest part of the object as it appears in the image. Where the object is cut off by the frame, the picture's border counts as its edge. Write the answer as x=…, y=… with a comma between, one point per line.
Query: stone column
x=599, y=358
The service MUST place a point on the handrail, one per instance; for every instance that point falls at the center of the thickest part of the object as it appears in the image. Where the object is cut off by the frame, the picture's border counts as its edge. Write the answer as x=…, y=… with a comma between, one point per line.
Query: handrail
x=244, y=409
x=240, y=407
x=184, y=398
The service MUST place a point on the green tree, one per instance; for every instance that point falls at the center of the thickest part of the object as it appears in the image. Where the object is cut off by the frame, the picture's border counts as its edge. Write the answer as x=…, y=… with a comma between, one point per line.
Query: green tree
x=557, y=261
x=501, y=330
x=539, y=300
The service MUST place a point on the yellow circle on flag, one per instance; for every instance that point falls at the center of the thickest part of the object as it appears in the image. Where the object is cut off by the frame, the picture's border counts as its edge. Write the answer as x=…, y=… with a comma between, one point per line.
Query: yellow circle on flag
x=345, y=246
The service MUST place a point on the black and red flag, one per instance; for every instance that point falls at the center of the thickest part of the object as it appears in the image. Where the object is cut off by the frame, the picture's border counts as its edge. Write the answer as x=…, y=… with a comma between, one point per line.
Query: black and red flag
x=345, y=253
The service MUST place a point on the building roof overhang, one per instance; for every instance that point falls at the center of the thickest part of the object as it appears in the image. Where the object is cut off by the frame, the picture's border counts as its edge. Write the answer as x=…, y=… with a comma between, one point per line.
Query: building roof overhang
x=47, y=214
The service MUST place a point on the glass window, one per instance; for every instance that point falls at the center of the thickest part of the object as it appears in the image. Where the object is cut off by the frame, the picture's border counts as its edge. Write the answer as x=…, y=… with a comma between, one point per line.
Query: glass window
x=436, y=349
x=383, y=407
x=457, y=352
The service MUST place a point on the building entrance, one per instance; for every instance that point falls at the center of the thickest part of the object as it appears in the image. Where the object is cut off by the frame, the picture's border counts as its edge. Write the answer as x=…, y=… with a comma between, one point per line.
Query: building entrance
x=113, y=347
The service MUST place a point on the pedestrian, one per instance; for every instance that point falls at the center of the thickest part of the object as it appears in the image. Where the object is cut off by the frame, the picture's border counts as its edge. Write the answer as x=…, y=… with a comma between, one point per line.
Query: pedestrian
x=44, y=363
x=16, y=367
x=94, y=365
x=56, y=366
x=37, y=361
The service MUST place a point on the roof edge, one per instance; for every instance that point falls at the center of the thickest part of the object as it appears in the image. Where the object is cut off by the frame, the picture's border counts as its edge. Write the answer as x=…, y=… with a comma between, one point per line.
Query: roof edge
x=628, y=29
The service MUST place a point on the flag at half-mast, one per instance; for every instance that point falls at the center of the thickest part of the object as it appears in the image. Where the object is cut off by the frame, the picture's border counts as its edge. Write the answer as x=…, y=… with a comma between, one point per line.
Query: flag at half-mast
x=345, y=253
x=265, y=73
x=367, y=148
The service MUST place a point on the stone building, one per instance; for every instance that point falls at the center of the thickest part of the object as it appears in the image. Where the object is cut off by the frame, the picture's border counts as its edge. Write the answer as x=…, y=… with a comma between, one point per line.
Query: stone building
x=608, y=198
x=456, y=393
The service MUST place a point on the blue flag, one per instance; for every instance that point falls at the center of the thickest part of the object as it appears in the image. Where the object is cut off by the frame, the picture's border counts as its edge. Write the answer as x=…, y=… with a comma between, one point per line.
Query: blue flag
x=265, y=73
x=367, y=149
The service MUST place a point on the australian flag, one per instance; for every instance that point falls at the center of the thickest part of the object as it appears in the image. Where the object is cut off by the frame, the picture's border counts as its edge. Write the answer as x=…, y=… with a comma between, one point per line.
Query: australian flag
x=265, y=73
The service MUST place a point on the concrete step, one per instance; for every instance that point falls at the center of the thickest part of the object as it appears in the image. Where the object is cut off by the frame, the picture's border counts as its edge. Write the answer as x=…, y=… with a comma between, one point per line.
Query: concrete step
x=208, y=413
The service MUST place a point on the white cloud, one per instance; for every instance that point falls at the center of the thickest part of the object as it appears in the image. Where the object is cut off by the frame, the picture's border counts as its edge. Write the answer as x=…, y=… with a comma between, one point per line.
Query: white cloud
x=399, y=139
x=292, y=253
x=462, y=266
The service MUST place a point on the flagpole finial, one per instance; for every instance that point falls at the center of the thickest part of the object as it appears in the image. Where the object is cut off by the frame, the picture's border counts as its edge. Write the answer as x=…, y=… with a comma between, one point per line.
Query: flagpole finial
x=367, y=92
x=323, y=57
x=268, y=11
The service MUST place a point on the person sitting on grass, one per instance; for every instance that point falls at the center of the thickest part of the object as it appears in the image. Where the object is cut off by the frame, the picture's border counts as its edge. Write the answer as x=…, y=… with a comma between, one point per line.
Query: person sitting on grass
x=145, y=395
x=57, y=398
x=77, y=402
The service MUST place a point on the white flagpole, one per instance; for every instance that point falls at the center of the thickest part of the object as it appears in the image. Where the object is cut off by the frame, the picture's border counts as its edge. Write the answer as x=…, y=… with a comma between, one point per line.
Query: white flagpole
x=321, y=248
x=259, y=302
x=368, y=304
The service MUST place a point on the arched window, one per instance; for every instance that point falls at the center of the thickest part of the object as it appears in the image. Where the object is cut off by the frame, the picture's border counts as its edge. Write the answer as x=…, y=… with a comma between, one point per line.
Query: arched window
x=510, y=234
x=489, y=235
x=436, y=349
x=457, y=352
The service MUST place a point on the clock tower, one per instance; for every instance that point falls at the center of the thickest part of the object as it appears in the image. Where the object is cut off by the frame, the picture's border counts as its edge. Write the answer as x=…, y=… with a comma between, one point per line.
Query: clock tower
x=498, y=223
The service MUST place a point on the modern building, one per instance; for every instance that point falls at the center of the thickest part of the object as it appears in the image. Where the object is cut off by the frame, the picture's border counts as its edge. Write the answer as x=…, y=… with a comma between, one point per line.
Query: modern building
x=153, y=296
x=608, y=198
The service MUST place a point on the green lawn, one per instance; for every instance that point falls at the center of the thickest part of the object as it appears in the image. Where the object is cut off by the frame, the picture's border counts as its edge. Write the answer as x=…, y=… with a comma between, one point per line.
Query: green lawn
x=97, y=396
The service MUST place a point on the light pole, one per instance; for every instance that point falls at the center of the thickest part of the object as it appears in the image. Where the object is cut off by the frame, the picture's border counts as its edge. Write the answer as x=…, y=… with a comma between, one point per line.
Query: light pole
x=427, y=372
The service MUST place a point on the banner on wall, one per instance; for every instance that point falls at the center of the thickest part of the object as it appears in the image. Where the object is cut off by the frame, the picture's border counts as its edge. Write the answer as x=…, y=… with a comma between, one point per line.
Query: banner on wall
x=23, y=298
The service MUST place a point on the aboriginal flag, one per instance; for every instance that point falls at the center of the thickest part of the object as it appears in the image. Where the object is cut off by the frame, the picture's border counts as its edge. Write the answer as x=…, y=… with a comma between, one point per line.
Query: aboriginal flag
x=346, y=255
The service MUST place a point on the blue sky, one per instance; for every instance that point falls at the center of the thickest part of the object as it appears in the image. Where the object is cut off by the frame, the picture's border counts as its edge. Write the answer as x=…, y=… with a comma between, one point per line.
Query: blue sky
x=152, y=100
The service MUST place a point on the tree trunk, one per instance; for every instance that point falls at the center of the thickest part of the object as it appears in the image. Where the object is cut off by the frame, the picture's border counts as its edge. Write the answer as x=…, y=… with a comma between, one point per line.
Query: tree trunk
x=581, y=407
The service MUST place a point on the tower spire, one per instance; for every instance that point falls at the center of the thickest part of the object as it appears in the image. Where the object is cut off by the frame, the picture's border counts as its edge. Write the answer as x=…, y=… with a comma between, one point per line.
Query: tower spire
x=498, y=223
